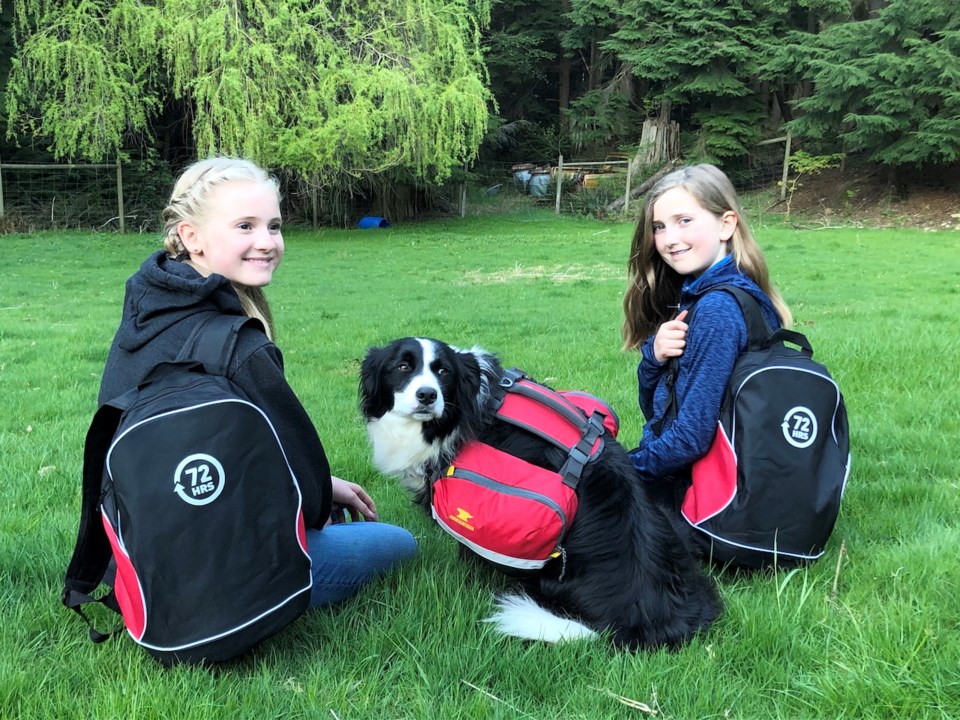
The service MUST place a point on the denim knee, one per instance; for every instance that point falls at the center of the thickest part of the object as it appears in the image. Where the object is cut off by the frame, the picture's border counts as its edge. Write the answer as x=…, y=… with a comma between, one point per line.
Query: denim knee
x=347, y=556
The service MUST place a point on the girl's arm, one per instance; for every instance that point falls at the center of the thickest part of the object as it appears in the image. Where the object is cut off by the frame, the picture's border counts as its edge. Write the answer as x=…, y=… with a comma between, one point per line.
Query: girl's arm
x=648, y=376
x=717, y=336
x=261, y=377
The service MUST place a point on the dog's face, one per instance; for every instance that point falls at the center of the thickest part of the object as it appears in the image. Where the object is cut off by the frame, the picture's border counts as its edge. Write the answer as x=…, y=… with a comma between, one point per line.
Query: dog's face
x=418, y=396
x=415, y=378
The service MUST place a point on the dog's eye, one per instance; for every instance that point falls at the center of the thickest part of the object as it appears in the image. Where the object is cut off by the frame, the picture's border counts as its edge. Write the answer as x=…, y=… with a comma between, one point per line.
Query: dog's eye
x=404, y=367
x=442, y=371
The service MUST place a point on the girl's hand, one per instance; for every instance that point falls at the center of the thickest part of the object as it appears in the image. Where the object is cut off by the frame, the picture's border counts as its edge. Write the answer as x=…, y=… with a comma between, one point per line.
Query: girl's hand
x=671, y=339
x=353, y=499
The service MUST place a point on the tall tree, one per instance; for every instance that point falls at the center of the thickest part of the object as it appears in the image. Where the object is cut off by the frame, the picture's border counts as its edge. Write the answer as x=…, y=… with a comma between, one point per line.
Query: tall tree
x=327, y=89
x=526, y=61
x=887, y=84
x=603, y=112
x=700, y=60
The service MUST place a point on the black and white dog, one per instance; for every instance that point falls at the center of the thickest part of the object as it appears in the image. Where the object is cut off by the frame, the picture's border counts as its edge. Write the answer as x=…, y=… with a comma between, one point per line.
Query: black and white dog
x=628, y=572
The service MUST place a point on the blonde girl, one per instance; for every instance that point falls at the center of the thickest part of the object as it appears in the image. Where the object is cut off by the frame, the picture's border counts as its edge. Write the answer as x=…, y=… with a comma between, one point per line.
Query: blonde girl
x=223, y=241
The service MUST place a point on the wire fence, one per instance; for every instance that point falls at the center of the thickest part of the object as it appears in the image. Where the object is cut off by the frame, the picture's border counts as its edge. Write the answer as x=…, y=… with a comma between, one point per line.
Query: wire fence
x=764, y=166
x=129, y=197
x=615, y=185
x=109, y=197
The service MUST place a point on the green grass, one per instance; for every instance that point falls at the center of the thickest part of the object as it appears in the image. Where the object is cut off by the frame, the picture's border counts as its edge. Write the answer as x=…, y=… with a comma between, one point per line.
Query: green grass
x=872, y=632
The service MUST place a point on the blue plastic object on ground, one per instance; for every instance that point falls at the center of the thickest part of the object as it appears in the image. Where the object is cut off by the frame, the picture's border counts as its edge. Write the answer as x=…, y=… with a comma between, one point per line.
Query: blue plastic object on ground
x=373, y=222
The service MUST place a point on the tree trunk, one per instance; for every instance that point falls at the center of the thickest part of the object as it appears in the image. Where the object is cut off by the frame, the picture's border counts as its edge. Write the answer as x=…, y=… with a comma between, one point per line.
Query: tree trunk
x=596, y=68
x=659, y=142
x=564, y=65
x=780, y=95
x=563, y=68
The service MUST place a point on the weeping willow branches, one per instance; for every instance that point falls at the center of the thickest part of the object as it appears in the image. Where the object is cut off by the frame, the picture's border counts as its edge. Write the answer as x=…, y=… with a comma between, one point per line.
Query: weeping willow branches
x=318, y=87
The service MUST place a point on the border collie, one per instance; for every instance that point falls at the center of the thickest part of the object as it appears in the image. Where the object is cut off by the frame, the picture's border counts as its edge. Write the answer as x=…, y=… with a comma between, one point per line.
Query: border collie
x=628, y=571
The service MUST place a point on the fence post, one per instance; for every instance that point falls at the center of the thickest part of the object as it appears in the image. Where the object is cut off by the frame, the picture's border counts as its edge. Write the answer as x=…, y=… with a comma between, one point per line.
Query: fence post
x=559, y=180
x=786, y=167
x=626, y=197
x=120, y=194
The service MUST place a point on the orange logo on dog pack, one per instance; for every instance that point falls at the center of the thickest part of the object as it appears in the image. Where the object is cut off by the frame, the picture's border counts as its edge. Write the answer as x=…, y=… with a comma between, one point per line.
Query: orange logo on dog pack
x=461, y=518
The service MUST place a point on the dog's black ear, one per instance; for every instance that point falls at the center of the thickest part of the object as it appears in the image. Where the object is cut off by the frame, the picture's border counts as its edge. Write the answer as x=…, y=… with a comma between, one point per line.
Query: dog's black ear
x=483, y=374
x=371, y=390
x=469, y=375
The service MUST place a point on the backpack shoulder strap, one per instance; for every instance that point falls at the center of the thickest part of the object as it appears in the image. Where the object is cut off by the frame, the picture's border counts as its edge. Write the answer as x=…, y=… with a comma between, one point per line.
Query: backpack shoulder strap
x=214, y=340
x=758, y=330
x=92, y=552
x=758, y=336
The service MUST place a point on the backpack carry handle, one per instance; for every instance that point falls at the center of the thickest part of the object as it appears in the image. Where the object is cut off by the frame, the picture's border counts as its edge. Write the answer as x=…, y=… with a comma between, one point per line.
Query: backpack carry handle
x=162, y=370
x=794, y=338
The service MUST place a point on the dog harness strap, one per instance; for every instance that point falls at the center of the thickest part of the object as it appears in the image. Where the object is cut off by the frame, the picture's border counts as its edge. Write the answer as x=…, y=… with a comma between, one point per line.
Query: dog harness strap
x=563, y=563
x=551, y=399
x=510, y=376
x=583, y=451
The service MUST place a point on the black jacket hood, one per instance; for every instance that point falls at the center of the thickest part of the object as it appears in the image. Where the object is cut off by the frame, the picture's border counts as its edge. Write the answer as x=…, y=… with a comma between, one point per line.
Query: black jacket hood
x=166, y=291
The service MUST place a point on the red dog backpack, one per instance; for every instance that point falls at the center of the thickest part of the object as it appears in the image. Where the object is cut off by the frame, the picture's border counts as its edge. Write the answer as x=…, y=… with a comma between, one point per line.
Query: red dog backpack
x=187, y=487
x=768, y=490
x=511, y=512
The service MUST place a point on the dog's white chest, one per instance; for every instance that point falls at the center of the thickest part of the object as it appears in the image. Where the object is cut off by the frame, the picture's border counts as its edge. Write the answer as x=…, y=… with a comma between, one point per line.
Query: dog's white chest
x=399, y=448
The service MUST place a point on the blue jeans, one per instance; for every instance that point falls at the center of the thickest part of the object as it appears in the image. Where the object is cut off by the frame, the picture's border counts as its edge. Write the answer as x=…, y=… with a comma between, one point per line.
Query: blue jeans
x=348, y=555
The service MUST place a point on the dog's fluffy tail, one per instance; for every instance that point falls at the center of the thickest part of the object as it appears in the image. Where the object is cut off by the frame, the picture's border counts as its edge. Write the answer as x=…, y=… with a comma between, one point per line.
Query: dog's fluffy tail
x=518, y=615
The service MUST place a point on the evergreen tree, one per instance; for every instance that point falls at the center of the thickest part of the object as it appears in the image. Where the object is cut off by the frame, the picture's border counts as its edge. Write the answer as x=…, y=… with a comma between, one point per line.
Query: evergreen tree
x=605, y=112
x=888, y=85
x=700, y=60
x=525, y=60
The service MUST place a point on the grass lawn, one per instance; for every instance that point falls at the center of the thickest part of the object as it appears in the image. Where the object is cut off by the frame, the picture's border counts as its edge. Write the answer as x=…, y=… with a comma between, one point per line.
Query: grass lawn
x=871, y=631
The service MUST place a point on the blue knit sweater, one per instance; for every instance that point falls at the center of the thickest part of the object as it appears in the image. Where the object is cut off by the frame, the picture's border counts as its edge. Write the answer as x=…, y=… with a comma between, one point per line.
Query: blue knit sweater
x=716, y=337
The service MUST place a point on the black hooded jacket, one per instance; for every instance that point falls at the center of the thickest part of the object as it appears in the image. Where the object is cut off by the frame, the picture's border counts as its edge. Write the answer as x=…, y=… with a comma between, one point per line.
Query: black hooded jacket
x=163, y=303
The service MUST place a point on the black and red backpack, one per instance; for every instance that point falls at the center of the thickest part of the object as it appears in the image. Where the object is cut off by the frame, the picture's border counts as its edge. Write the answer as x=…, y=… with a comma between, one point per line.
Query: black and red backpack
x=768, y=490
x=187, y=487
x=507, y=510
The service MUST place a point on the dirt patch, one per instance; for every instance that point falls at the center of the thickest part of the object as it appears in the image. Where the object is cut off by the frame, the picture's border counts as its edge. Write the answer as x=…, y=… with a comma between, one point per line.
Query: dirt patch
x=873, y=197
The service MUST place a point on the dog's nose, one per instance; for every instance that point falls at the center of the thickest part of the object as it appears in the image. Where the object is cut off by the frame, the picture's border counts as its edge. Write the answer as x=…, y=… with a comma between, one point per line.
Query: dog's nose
x=426, y=395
